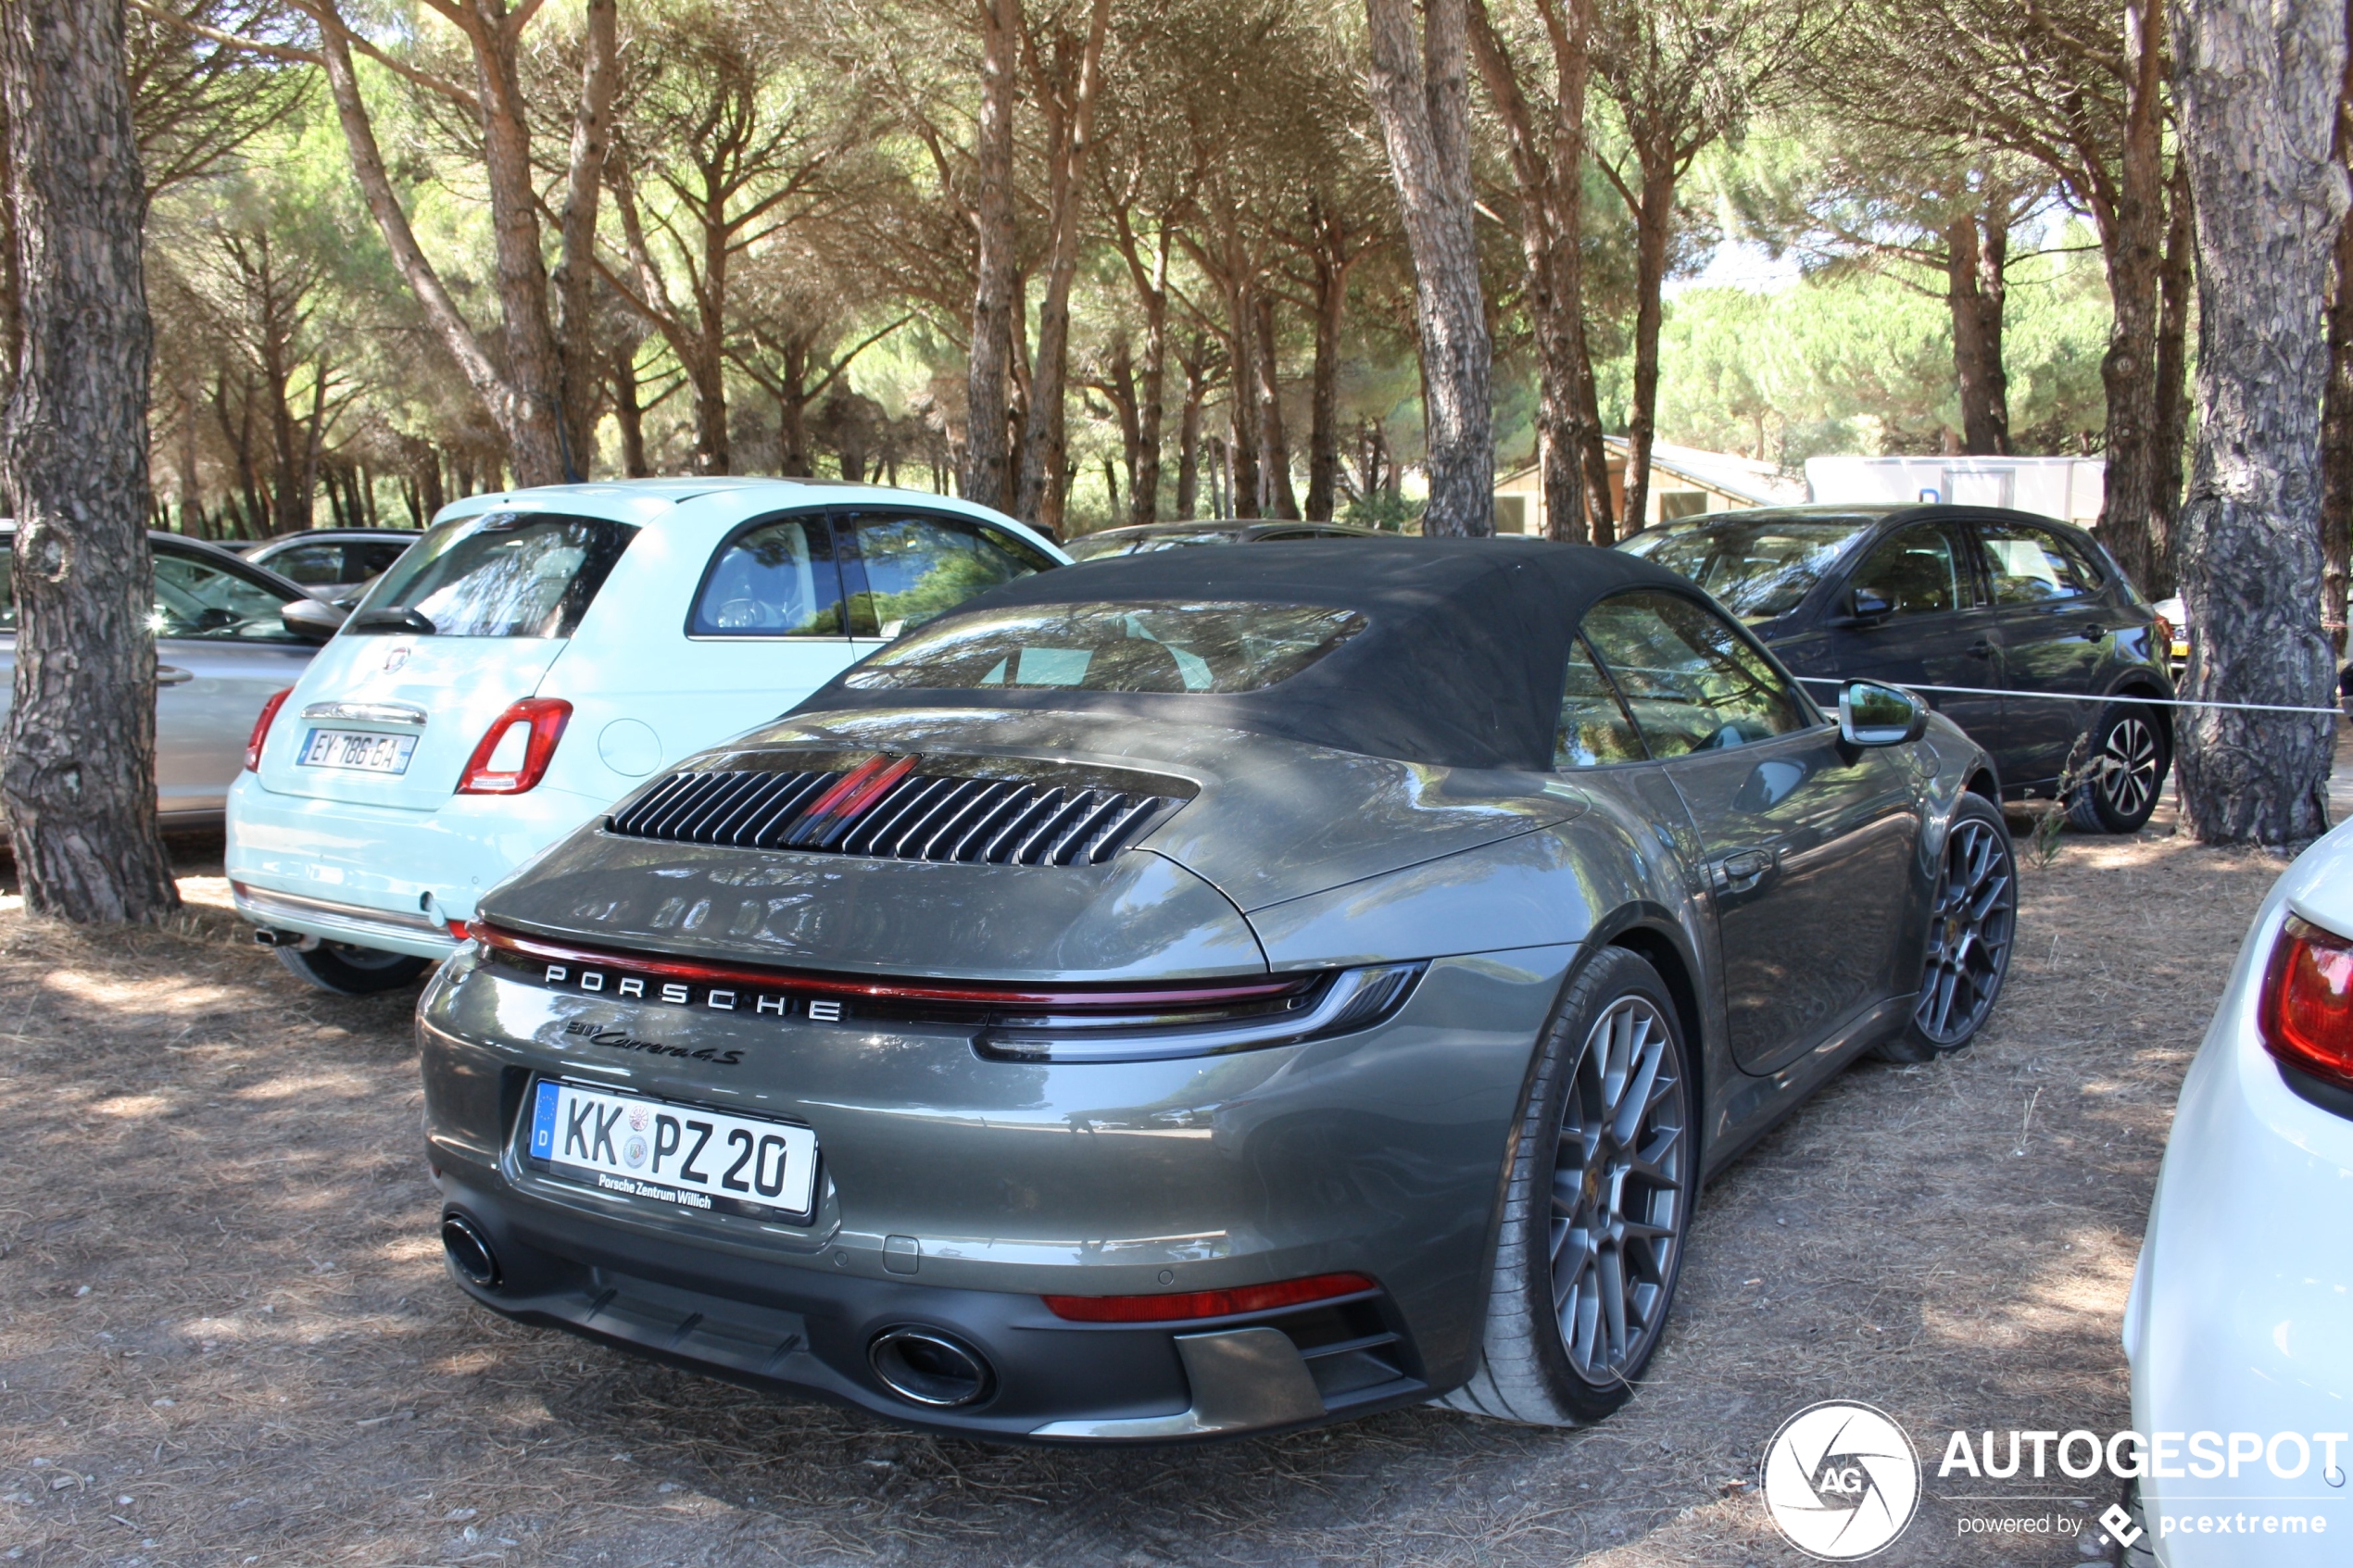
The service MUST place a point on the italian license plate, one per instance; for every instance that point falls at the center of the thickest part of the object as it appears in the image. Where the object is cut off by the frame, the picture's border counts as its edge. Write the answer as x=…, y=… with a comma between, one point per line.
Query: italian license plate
x=680, y=1154
x=360, y=749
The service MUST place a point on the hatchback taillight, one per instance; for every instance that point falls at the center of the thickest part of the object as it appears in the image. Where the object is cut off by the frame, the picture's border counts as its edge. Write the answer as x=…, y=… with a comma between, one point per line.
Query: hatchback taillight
x=529, y=731
x=2306, y=1015
x=255, y=741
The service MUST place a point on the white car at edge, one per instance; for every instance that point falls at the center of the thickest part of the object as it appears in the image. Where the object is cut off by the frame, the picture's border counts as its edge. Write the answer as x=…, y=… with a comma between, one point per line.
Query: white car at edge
x=538, y=653
x=2239, y=1323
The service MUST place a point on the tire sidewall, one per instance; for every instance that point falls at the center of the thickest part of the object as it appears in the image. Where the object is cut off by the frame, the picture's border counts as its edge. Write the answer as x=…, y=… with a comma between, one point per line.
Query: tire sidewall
x=1613, y=974
x=2091, y=808
x=327, y=970
x=1912, y=1046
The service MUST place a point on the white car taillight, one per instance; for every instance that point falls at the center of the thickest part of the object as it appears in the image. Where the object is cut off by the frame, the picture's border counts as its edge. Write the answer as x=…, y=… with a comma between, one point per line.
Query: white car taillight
x=526, y=734
x=2306, y=1013
x=261, y=735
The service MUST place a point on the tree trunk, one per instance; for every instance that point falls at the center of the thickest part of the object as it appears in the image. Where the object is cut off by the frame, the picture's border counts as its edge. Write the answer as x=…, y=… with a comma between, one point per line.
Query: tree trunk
x=1654, y=227
x=1188, y=438
x=997, y=279
x=1547, y=170
x=2129, y=521
x=1151, y=389
x=2172, y=369
x=626, y=412
x=581, y=388
x=1274, y=441
x=392, y=221
x=2255, y=88
x=1119, y=385
x=1241, y=317
x=1600, y=507
x=1322, y=401
x=2337, y=405
x=1993, y=313
x=1423, y=103
x=79, y=782
x=1046, y=441
x=1977, y=353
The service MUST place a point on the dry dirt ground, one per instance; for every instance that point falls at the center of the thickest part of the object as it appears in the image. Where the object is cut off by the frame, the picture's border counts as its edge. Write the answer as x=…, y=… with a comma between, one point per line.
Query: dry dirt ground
x=225, y=1336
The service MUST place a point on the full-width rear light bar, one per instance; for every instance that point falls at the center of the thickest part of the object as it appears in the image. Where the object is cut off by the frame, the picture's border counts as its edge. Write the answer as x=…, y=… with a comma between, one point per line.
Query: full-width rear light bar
x=1180, y=1306
x=1095, y=998
x=2306, y=1013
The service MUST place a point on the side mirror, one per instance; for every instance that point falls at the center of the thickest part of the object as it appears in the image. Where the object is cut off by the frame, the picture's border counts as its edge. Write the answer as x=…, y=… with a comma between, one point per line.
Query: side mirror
x=1869, y=604
x=1871, y=714
x=311, y=620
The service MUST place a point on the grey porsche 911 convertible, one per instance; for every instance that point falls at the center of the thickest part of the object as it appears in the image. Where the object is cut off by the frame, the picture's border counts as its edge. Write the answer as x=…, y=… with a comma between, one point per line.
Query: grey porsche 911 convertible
x=1208, y=992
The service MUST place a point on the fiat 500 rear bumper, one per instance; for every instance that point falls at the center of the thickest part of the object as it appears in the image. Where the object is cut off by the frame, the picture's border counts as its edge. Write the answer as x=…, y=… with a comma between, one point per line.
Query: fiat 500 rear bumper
x=956, y=1193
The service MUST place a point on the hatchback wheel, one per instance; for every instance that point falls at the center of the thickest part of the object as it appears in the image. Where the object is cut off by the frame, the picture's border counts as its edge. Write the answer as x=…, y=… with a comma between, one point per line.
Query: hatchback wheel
x=1969, y=927
x=1599, y=1202
x=350, y=971
x=2128, y=756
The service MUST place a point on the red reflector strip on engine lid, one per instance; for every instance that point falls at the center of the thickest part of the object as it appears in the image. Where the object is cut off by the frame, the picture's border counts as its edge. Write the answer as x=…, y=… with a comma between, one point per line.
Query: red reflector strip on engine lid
x=1180, y=1306
x=857, y=789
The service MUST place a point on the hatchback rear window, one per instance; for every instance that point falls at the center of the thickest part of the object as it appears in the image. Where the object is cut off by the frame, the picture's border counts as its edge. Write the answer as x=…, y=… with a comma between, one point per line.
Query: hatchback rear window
x=1113, y=647
x=504, y=575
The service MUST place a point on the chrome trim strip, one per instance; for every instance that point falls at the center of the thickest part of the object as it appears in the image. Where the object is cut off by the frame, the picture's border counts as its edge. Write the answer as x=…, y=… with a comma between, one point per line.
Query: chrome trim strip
x=261, y=904
x=367, y=712
x=1241, y=1379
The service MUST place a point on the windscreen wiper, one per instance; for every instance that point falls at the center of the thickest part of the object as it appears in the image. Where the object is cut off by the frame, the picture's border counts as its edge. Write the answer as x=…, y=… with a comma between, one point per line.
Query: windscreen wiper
x=392, y=617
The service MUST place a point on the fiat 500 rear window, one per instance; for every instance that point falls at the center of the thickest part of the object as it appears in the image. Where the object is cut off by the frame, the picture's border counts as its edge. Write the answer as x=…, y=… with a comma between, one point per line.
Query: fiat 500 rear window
x=504, y=575
x=1113, y=647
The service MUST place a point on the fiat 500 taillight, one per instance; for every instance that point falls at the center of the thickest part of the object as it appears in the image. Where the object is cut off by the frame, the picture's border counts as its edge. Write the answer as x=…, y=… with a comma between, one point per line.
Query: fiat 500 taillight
x=514, y=753
x=2305, y=1016
x=261, y=735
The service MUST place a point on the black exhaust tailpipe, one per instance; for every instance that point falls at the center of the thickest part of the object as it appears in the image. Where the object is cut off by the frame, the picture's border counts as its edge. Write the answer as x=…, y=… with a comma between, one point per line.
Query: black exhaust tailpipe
x=469, y=1251
x=927, y=1367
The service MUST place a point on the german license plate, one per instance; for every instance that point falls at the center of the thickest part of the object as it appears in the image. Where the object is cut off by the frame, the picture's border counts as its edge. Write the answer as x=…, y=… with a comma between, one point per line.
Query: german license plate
x=362, y=750
x=680, y=1154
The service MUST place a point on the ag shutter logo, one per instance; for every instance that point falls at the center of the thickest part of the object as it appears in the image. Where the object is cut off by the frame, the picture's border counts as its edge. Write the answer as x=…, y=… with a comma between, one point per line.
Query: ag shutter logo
x=1840, y=1480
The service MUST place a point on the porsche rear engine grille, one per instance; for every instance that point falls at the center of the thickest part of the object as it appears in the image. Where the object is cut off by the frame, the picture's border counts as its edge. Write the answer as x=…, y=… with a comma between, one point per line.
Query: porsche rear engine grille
x=883, y=808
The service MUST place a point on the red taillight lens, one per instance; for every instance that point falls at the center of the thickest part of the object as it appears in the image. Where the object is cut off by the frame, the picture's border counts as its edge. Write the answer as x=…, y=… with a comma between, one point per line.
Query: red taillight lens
x=542, y=719
x=1185, y=1304
x=2305, y=1016
x=261, y=729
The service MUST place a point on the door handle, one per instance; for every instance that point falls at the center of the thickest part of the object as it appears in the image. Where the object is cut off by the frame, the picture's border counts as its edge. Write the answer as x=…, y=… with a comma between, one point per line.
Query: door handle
x=172, y=675
x=1740, y=871
x=2094, y=633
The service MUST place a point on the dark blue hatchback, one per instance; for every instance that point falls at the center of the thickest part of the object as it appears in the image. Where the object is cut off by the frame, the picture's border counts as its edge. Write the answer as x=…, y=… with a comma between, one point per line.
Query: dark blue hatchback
x=2017, y=610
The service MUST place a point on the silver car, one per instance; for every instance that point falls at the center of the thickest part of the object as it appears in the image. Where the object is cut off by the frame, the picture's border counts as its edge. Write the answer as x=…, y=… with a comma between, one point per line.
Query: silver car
x=223, y=645
x=1205, y=992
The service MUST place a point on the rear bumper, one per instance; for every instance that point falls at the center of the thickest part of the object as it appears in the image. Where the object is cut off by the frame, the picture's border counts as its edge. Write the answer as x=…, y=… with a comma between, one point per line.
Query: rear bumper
x=381, y=876
x=807, y=1331
x=954, y=1192
x=394, y=932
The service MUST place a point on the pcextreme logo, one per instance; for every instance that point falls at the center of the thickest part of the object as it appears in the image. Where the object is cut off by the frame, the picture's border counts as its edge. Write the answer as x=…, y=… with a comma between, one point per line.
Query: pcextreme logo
x=1840, y=1480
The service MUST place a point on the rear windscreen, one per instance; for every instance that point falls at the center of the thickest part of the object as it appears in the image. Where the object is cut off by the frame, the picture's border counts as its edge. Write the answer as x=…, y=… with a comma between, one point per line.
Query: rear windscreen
x=504, y=575
x=1757, y=568
x=1113, y=647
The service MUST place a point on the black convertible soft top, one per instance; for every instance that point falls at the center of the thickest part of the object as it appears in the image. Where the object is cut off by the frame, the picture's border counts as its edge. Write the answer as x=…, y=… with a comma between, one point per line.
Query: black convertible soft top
x=1460, y=664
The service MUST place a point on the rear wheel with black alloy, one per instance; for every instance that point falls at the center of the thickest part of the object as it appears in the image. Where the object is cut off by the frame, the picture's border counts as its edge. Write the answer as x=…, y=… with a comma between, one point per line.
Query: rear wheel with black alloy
x=1597, y=1208
x=1969, y=928
x=2125, y=762
x=350, y=971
